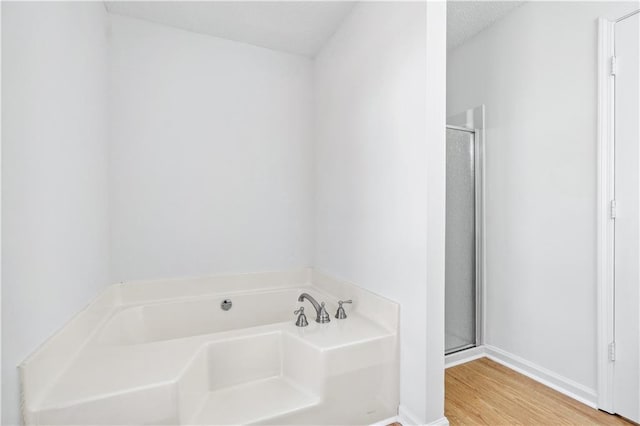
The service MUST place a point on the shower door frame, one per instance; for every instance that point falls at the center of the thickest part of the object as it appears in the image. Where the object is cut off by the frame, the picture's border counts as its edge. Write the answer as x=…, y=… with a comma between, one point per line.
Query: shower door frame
x=478, y=152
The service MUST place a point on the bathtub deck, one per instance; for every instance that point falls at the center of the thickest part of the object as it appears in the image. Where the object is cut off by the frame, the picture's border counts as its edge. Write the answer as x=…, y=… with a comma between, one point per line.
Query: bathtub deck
x=253, y=402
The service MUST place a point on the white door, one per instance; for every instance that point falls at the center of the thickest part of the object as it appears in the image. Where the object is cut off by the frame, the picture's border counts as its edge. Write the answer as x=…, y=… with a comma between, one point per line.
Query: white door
x=626, y=371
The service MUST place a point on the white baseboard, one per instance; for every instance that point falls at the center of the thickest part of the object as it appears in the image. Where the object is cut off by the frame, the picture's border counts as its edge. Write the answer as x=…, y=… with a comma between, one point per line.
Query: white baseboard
x=540, y=374
x=406, y=418
x=386, y=422
x=440, y=422
x=464, y=356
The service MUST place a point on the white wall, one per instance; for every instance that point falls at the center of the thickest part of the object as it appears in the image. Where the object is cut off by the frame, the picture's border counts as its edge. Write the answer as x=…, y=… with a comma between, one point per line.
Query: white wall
x=435, y=164
x=210, y=154
x=536, y=72
x=54, y=174
x=374, y=149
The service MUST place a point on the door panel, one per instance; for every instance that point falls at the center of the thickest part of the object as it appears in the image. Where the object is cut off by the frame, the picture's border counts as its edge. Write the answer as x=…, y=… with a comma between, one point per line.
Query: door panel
x=460, y=247
x=626, y=392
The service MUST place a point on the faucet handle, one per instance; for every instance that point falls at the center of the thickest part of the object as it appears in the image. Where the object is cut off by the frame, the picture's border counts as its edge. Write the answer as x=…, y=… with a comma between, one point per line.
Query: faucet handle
x=341, y=314
x=302, y=318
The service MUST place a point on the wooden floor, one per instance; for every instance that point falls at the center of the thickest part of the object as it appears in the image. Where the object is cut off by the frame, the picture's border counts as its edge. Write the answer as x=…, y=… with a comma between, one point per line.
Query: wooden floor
x=483, y=392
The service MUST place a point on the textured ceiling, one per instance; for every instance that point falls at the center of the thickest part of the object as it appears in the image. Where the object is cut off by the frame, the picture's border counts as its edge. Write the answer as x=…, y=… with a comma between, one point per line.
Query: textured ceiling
x=299, y=27
x=465, y=19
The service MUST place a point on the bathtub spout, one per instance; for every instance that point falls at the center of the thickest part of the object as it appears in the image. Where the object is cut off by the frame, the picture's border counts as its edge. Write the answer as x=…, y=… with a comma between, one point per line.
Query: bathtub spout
x=322, y=316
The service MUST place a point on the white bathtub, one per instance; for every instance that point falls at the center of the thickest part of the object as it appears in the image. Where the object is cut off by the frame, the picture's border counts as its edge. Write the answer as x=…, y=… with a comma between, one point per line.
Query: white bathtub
x=168, y=354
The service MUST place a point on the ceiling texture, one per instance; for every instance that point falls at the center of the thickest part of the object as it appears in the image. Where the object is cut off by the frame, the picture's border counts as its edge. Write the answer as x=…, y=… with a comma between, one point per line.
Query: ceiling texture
x=298, y=27
x=465, y=19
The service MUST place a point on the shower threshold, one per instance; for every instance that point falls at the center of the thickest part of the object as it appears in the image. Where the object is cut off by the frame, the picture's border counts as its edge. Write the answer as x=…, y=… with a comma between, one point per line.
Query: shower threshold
x=459, y=349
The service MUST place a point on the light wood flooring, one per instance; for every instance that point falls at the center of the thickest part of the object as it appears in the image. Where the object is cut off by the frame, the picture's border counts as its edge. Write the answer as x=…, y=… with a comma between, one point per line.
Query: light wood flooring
x=483, y=392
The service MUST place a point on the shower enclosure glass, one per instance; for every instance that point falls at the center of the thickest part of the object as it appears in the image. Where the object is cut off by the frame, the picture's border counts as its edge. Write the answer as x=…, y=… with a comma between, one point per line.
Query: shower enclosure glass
x=461, y=240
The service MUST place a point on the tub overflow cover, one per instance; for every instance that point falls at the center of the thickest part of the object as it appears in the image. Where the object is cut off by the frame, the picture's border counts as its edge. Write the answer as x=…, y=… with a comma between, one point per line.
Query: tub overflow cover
x=226, y=304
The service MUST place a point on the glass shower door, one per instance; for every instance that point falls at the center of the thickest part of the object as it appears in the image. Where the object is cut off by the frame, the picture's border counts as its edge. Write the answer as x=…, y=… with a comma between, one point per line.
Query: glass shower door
x=460, y=251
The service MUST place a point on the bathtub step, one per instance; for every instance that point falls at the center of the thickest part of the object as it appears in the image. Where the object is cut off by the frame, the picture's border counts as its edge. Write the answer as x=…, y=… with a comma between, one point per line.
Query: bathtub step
x=253, y=402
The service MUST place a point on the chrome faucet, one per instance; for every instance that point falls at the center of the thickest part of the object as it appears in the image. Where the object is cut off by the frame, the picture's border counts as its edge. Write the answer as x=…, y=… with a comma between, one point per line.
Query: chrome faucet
x=322, y=316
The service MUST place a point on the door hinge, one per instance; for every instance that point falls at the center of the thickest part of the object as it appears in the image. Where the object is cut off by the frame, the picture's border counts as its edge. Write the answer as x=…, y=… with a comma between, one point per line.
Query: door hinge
x=613, y=210
x=614, y=65
x=612, y=351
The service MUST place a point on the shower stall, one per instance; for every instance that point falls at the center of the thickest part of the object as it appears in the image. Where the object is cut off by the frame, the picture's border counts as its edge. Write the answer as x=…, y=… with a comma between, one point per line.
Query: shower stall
x=463, y=268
